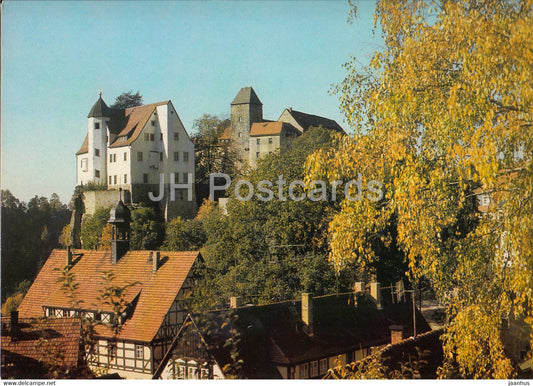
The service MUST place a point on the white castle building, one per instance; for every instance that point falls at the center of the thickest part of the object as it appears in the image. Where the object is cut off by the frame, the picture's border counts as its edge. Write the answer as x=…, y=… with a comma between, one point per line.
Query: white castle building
x=133, y=149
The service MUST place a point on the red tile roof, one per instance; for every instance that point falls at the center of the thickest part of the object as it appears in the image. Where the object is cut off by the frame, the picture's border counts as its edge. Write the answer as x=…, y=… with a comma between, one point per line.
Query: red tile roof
x=84, y=146
x=271, y=128
x=226, y=135
x=126, y=122
x=134, y=120
x=43, y=341
x=155, y=291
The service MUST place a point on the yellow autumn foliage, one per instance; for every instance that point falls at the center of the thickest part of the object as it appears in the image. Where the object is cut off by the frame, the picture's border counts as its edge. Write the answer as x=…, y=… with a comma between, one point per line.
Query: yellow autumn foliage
x=443, y=113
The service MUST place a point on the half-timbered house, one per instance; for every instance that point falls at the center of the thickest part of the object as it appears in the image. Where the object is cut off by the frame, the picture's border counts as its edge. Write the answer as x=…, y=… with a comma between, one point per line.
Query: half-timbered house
x=138, y=300
x=297, y=339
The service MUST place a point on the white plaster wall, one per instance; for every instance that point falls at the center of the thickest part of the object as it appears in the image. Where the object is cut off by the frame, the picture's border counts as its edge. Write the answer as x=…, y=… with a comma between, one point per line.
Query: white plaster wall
x=82, y=177
x=119, y=168
x=97, y=140
x=150, y=149
x=183, y=144
x=264, y=147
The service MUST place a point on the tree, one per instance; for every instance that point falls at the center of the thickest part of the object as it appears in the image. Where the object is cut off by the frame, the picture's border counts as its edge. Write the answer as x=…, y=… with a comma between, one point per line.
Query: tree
x=127, y=99
x=442, y=112
x=210, y=155
x=29, y=233
x=181, y=235
x=106, y=237
x=92, y=227
x=270, y=251
x=147, y=231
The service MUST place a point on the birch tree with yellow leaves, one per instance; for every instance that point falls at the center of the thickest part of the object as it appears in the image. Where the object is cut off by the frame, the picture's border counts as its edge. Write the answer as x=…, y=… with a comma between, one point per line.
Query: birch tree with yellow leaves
x=443, y=113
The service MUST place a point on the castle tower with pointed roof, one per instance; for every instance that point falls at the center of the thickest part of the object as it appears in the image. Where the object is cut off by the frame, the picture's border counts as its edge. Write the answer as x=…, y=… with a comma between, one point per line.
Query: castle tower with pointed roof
x=246, y=109
x=94, y=164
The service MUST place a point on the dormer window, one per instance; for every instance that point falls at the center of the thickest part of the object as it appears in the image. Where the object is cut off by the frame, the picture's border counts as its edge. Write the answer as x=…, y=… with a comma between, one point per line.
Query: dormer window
x=96, y=125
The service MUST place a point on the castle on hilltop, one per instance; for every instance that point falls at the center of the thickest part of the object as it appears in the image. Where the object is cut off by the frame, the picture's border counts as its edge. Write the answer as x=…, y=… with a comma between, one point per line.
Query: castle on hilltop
x=133, y=149
x=254, y=137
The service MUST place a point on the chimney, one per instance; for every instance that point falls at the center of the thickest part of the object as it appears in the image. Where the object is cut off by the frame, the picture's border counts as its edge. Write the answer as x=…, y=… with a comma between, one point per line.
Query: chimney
x=235, y=301
x=307, y=312
x=396, y=334
x=14, y=325
x=359, y=286
x=156, y=261
x=375, y=292
x=69, y=256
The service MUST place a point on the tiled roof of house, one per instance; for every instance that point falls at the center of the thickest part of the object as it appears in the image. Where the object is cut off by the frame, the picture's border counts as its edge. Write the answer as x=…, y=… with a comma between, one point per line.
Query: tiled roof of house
x=84, y=146
x=246, y=95
x=271, y=128
x=126, y=123
x=425, y=349
x=56, y=342
x=131, y=125
x=226, y=135
x=153, y=292
x=308, y=120
x=277, y=333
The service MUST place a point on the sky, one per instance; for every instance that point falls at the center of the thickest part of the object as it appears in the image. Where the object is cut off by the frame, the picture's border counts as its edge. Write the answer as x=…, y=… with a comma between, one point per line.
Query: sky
x=57, y=55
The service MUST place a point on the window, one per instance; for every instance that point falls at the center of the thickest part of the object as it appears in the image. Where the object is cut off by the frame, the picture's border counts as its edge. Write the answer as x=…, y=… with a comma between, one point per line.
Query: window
x=160, y=136
x=115, y=179
x=161, y=156
x=152, y=137
x=176, y=136
x=125, y=178
x=323, y=366
x=193, y=374
x=313, y=371
x=84, y=165
x=145, y=178
x=257, y=155
x=176, y=156
x=304, y=370
x=112, y=350
x=96, y=125
x=146, y=136
x=270, y=140
x=153, y=123
x=185, y=156
x=181, y=372
x=97, y=173
x=125, y=156
x=139, y=351
x=258, y=141
x=184, y=177
x=105, y=317
x=58, y=313
x=110, y=157
x=110, y=181
x=139, y=156
x=97, y=152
